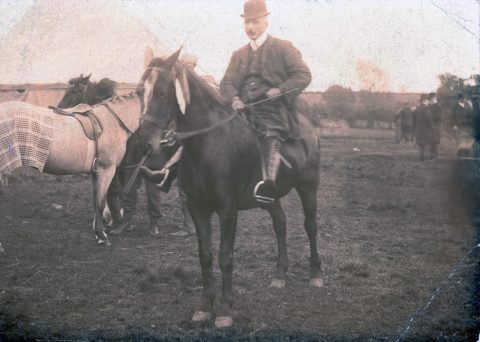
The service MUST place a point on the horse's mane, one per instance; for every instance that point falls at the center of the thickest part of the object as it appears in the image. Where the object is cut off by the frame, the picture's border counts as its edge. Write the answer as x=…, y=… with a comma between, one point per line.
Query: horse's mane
x=206, y=88
x=105, y=88
x=198, y=81
x=117, y=98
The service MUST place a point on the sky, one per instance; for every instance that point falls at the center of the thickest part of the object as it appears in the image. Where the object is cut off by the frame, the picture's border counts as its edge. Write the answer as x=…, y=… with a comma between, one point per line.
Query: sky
x=386, y=45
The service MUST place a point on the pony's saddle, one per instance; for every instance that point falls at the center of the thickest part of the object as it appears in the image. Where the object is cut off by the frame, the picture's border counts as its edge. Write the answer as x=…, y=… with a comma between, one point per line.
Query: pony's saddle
x=91, y=125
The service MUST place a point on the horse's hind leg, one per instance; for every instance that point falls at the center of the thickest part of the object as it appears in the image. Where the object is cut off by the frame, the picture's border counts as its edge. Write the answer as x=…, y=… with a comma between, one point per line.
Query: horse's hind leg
x=101, y=179
x=308, y=195
x=280, y=226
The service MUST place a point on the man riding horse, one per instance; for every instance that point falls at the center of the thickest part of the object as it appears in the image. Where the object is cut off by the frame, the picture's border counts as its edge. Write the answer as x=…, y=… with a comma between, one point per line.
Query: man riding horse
x=262, y=71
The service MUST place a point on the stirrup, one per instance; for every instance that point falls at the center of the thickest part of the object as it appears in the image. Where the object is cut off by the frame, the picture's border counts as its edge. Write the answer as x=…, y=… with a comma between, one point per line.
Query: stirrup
x=259, y=198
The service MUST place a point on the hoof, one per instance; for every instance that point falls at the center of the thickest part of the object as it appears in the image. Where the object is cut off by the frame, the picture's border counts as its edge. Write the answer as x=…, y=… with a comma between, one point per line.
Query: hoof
x=277, y=283
x=223, y=322
x=201, y=316
x=123, y=228
x=316, y=282
x=105, y=243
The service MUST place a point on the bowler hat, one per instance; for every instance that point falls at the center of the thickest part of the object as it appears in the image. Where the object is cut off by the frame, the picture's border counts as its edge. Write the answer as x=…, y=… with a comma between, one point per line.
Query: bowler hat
x=253, y=9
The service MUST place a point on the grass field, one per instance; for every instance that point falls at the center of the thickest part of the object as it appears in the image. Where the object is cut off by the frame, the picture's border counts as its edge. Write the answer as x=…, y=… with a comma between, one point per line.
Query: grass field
x=391, y=230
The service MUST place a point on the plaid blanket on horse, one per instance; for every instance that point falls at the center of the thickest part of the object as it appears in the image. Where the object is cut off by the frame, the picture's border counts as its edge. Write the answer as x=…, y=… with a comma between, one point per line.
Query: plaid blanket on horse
x=26, y=134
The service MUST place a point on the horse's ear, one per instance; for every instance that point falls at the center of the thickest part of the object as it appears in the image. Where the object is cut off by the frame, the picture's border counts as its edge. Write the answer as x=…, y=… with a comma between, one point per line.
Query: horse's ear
x=148, y=56
x=88, y=77
x=182, y=91
x=170, y=61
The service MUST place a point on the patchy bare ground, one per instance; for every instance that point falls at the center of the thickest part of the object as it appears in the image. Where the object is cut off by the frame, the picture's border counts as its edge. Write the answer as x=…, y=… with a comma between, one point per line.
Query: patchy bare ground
x=391, y=230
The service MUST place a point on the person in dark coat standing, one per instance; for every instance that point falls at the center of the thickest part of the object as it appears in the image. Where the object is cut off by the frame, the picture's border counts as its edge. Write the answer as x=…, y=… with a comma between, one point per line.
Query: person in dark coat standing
x=462, y=119
x=436, y=112
x=266, y=68
x=424, y=127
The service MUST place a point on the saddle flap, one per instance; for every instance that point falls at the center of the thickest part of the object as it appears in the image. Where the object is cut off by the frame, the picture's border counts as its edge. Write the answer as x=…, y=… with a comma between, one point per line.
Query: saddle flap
x=90, y=124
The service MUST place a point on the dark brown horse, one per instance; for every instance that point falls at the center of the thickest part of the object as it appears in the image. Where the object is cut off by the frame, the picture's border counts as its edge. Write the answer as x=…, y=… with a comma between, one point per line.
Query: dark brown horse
x=219, y=169
x=82, y=90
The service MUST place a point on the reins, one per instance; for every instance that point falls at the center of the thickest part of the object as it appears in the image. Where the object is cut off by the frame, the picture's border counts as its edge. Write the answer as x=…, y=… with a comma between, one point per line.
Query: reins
x=190, y=134
x=115, y=115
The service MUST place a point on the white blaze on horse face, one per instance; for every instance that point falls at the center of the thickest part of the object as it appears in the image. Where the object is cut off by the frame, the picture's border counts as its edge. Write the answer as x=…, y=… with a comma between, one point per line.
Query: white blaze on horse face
x=148, y=89
x=180, y=97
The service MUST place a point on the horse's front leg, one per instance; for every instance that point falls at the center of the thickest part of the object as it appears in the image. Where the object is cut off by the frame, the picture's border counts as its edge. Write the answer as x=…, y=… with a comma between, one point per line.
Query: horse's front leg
x=101, y=179
x=280, y=226
x=113, y=198
x=202, y=220
x=228, y=226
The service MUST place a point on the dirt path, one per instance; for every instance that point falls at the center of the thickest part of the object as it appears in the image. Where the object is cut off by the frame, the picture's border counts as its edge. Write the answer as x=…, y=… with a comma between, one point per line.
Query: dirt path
x=391, y=230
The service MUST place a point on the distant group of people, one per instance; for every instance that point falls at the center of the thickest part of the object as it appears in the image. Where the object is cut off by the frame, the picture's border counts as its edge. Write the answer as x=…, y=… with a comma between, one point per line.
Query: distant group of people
x=423, y=123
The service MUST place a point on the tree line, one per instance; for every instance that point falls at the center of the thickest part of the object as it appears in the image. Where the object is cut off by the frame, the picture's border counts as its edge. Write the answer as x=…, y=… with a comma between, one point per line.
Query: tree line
x=369, y=108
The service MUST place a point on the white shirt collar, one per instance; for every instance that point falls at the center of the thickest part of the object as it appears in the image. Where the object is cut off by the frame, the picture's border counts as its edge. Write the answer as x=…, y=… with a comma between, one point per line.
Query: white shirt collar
x=255, y=44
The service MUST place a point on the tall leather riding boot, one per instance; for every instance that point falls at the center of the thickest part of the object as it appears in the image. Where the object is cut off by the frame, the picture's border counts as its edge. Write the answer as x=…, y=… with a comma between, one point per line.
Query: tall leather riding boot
x=265, y=191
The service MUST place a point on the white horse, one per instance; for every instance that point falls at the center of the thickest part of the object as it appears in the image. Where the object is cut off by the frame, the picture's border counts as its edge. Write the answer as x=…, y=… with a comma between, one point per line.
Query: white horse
x=56, y=144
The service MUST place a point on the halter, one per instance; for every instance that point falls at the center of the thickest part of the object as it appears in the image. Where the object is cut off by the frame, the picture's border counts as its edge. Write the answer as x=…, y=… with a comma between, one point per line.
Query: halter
x=168, y=135
x=83, y=94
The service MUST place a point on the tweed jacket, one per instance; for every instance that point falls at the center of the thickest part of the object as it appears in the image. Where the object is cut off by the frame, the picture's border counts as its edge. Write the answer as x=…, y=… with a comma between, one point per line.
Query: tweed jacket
x=281, y=65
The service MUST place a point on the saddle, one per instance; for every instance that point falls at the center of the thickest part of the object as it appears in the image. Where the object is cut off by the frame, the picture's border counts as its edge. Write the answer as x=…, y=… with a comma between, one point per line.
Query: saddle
x=91, y=125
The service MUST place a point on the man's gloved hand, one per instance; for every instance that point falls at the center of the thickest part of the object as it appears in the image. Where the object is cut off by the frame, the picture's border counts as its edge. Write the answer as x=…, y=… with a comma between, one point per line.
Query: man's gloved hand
x=455, y=128
x=272, y=92
x=237, y=104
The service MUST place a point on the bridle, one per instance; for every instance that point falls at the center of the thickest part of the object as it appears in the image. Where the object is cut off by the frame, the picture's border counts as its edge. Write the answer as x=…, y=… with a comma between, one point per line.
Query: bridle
x=170, y=135
x=84, y=92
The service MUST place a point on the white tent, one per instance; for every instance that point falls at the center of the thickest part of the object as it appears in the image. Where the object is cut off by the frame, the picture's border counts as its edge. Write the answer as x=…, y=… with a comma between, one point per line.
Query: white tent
x=57, y=40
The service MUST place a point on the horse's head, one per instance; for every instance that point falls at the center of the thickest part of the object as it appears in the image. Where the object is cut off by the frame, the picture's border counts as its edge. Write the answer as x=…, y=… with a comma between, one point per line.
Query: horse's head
x=165, y=94
x=76, y=92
